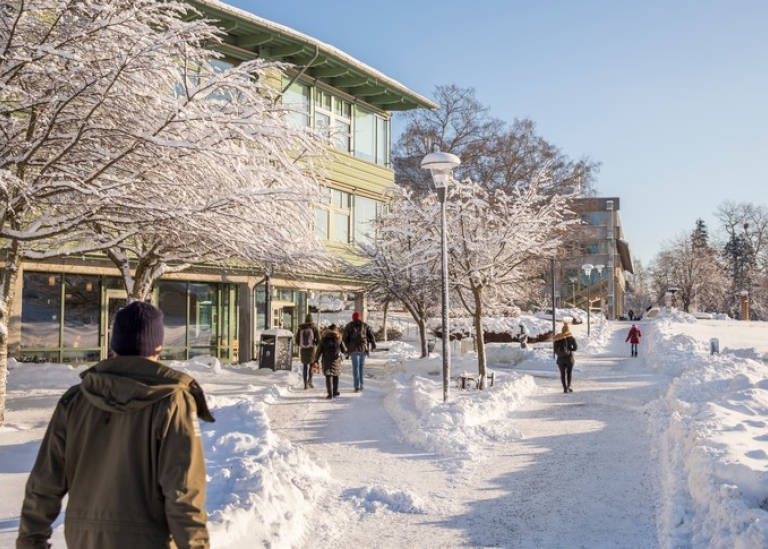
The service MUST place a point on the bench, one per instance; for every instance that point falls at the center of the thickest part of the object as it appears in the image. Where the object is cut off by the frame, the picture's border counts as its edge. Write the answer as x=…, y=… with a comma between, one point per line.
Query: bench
x=469, y=381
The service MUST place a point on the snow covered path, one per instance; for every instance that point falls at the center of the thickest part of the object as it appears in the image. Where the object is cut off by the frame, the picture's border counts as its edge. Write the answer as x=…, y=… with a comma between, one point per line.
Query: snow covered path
x=582, y=473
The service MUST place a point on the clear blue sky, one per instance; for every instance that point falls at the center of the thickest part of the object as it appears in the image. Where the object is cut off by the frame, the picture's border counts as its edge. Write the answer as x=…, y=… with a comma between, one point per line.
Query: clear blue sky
x=670, y=96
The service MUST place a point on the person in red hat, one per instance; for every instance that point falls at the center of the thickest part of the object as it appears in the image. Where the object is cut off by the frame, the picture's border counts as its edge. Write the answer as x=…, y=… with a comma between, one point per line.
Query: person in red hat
x=359, y=341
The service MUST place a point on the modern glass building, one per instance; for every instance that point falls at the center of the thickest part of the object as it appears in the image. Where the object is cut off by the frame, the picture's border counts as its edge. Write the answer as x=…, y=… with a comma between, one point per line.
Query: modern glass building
x=599, y=240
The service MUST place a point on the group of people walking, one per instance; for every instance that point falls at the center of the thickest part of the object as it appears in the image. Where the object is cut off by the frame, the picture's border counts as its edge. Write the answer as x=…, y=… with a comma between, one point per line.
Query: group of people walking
x=325, y=351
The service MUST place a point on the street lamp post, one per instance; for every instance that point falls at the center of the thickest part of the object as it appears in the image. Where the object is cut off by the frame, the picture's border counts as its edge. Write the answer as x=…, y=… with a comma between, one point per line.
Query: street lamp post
x=588, y=268
x=441, y=166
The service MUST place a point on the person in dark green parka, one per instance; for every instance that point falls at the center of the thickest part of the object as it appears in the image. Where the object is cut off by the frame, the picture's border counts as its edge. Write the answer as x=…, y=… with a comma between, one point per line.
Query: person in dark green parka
x=125, y=445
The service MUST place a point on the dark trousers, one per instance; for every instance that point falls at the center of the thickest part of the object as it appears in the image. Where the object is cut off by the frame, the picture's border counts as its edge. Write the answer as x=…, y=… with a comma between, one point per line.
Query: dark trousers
x=565, y=375
x=633, y=348
x=307, y=373
x=332, y=384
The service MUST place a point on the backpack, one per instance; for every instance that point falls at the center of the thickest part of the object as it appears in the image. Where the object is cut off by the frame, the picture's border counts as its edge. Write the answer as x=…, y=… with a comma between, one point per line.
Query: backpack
x=356, y=336
x=565, y=347
x=306, y=338
x=561, y=348
x=331, y=346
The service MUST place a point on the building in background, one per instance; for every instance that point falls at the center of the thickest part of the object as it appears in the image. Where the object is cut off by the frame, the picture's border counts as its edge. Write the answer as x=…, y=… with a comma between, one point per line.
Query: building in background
x=599, y=240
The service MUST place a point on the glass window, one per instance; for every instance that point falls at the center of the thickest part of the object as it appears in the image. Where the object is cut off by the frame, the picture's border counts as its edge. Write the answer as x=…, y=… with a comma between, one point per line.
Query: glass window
x=382, y=141
x=590, y=248
x=82, y=306
x=596, y=219
x=297, y=98
x=41, y=310
x=202, y=314
x=365, y=135
x=341, y=227
x=173, y=303
x=260, y=305
x=323, y=100
x=342, y=138
x=220, y=65
x=340, y=199
x=333, y=118
x=366, y=210
x=323, y=123
x=321, y=223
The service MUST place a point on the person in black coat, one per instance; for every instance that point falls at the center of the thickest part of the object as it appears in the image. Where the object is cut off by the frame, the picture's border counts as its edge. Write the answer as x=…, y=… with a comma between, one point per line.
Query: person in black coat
x=565, y=346
x=330, y=353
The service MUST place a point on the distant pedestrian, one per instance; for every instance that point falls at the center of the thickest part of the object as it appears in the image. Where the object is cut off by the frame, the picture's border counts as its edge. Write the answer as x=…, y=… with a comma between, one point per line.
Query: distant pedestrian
x=125, y=447
x=330, y=353
x=633, y=337
x=359, y=341
x=631, y=314
x=523, y=336
x=307, y=337
x=565, y=345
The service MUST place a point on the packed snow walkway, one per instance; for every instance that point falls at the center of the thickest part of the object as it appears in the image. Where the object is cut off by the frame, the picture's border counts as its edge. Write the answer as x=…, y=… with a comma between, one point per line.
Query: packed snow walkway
x=580, y=474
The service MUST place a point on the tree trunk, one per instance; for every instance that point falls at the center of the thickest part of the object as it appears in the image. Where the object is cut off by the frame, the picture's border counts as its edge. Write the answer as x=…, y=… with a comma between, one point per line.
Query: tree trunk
x=422, y=323
x=10, y=275
x=384, y=321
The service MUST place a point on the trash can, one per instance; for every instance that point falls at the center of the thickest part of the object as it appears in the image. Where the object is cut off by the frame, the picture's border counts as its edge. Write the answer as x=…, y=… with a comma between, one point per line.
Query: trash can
x=275, y=349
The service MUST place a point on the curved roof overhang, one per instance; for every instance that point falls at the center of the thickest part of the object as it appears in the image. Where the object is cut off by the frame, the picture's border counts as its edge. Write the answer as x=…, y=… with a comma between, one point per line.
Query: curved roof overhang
x=622, y=246
x=248, y=37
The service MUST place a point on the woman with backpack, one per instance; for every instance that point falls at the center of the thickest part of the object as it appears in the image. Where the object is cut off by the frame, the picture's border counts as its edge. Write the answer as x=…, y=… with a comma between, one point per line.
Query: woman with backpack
x=329, y=354
x=565, y=345
x=307, y=337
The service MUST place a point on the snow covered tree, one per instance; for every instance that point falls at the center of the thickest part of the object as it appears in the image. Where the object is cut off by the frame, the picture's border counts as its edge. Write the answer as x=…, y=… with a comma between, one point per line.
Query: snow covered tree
x=711, y=276
x=689, y=264
x=638, y=295
x=120, y=132
x=745, y=253
x=495, y=237
x=401, y=261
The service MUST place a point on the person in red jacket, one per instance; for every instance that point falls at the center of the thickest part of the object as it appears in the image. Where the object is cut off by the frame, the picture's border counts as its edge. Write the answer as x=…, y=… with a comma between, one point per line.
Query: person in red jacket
x=633, y=337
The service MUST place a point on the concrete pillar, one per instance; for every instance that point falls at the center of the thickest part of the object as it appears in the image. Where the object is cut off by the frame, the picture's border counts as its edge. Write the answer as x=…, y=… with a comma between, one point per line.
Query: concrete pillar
x=611, y=264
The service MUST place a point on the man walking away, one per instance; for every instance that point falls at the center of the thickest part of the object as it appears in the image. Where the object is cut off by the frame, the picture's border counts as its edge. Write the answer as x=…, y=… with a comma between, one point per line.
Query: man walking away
x=359, y=341
x=125, y=445
x=633, y=337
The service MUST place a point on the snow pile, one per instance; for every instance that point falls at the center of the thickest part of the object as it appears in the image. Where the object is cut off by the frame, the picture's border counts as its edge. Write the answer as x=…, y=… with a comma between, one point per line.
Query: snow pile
x=460, y=427
x=713, y=436
x=710, y=430
x=256, y=478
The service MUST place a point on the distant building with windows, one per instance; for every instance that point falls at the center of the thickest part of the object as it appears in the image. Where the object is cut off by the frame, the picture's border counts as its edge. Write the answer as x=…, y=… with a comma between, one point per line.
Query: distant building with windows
x=598, y=240
x=64, y=307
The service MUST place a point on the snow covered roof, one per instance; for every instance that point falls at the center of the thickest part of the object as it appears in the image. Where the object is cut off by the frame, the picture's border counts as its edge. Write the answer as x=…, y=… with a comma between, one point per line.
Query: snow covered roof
x=250, y=36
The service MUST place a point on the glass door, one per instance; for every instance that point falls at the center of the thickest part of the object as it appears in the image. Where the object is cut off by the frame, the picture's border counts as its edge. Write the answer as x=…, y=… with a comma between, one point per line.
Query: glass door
x=115, y=300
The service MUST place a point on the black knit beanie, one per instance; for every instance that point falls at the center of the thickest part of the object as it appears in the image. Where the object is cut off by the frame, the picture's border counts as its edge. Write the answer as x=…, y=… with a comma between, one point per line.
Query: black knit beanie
x=137, y=330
